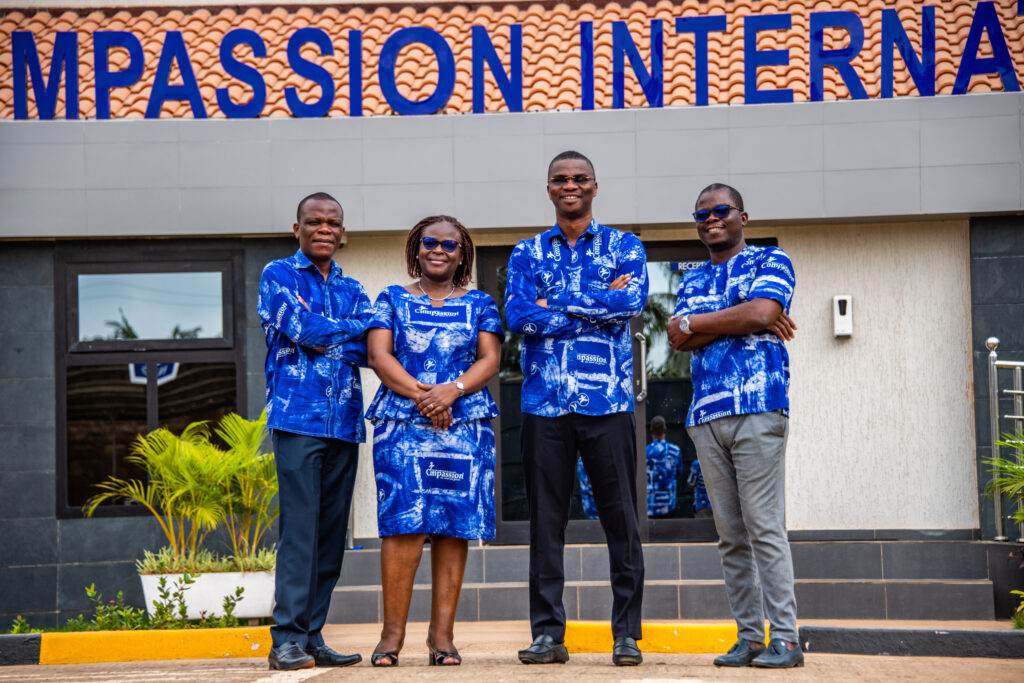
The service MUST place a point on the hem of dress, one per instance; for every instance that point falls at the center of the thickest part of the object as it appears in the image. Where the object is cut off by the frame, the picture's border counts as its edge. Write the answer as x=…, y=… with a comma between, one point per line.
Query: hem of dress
x=474, y=537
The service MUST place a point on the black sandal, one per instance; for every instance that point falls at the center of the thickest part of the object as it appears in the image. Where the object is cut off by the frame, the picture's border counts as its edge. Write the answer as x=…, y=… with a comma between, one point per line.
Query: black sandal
x=384, y=659
x=438, y=657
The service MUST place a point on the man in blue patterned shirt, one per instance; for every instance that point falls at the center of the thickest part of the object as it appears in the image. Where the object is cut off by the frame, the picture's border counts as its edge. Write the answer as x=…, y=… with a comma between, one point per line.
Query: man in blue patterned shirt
x=731, y=315
x=315, y=320
x=571, y=292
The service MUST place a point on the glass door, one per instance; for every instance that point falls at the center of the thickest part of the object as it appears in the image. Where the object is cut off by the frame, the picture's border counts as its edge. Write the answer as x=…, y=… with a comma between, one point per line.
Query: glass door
x=665, y=494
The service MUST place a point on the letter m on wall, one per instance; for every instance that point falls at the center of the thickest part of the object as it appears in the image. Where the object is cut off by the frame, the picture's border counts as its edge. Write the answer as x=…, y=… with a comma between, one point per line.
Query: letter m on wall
x=26, y=59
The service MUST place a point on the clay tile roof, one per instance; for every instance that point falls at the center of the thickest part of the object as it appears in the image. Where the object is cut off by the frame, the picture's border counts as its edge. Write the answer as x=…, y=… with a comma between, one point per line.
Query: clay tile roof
x=551, y=65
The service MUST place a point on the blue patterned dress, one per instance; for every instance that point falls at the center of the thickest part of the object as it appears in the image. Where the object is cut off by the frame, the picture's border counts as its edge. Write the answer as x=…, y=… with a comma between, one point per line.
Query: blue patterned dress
x=429, y=480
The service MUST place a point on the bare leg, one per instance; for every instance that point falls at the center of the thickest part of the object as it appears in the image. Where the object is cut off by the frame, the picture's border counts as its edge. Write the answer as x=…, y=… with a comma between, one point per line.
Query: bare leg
x=399, y=558
x=447, y=566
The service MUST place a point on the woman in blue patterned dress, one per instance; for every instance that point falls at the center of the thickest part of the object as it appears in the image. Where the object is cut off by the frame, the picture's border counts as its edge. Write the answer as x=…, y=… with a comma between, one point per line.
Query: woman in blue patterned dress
x=435, y=345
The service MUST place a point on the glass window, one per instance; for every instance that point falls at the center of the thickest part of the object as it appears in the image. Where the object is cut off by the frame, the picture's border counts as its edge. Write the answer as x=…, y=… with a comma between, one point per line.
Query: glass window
x=106, y=410
x=193, y=392
x=114, y=306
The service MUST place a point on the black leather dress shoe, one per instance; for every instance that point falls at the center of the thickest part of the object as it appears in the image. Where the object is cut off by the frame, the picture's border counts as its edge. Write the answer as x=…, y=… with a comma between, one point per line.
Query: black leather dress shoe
x=739, y=654
x=325, y=656
x=625, y=652
x=544, y=650
x=288, y=657
x=776, y=656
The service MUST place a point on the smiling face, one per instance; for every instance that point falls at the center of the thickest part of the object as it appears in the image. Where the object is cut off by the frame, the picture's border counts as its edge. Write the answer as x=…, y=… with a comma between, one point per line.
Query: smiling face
x=572, y=199
x=722, y=236
x=319, y=230
x=436, y=264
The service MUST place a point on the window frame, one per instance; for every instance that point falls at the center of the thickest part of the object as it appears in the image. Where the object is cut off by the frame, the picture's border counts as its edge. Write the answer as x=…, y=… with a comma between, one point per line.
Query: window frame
x=70, y=352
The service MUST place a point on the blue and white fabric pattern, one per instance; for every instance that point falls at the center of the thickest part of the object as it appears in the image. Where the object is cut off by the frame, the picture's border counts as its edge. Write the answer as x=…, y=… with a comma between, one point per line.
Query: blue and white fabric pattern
x=664, y=461
x=738, y=374
x=577, y=354
x=429, y=480
x=700, y=491
x=313, y=356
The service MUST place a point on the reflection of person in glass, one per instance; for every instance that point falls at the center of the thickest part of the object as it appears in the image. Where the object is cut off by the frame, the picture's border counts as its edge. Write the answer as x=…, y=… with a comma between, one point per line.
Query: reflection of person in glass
x=701, y=502
x=731, y=315
x=314, y=318
x=571, y=292
x=435, y=345
x=664, y=461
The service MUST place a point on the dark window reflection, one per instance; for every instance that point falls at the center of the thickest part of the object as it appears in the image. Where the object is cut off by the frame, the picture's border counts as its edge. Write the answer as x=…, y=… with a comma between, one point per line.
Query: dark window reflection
x=199, y=391
x=105, y=414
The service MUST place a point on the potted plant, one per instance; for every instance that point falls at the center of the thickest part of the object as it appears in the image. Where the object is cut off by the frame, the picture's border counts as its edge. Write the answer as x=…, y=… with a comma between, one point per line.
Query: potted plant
x=194, y=487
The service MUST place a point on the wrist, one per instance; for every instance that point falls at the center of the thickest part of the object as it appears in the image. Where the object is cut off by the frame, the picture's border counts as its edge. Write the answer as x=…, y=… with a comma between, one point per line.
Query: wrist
x=460, y=388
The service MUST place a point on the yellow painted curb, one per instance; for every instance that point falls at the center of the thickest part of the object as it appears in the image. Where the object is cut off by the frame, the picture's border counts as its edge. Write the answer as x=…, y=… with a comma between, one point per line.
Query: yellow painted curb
x=128, y=646
x=592, y=636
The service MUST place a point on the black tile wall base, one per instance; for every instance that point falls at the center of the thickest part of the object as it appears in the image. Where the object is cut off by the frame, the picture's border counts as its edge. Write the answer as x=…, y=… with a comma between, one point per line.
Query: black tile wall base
x=913, y=642
x=20, y=649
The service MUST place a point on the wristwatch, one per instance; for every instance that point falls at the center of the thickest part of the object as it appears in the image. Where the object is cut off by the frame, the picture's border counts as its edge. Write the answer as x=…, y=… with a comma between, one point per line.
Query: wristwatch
x=461, y=387
x=684, y=325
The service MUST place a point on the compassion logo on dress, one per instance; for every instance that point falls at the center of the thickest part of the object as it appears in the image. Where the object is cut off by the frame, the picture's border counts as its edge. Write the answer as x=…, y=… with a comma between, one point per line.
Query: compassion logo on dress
x=443, y=473
x=433, y=316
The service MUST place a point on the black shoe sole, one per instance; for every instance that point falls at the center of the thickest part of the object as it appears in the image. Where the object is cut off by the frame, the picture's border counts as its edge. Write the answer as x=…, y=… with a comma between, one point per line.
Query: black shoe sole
x=627, y=660
x=557, y=655
x=278, y=666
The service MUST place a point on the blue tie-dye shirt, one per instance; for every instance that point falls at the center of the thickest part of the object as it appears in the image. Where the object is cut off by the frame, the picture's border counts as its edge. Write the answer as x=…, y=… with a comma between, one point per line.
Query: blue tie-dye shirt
x=577, y=353
x=738, y=374
x=310, y=391
x=664, y=460
x=700, y=491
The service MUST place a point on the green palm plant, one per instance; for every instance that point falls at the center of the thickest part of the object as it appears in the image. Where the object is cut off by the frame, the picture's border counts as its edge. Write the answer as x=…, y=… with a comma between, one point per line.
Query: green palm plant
x=182, y=490
x=1008, y=475
x=251, y=480
x=192, y=486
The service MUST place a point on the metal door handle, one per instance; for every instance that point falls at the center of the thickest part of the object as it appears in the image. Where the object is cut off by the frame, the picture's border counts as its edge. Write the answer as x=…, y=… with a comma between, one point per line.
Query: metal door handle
x=642, y=396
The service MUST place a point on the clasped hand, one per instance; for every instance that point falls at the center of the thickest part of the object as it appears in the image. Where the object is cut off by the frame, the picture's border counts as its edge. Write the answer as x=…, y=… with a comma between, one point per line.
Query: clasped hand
x=435, y=402
x=784, y=328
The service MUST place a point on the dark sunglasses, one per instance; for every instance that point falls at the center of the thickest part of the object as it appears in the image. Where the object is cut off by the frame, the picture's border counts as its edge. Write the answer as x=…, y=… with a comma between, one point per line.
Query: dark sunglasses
x=431, y=243
x=560, y=180
x=720, y=211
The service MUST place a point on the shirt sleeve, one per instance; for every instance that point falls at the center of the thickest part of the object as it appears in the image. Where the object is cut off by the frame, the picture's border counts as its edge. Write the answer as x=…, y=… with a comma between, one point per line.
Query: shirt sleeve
x=774, y=278
x=682, y=306
x=353, y=351
x=523, y=314
x=383, y=314
x=490, y=320
x=609, y=305
x=280, y=308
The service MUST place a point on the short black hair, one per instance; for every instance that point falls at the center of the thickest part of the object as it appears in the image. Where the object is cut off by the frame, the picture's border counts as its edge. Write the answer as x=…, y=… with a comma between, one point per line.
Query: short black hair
x=462, y=274
x=658, y=425
x=315, y=195
x=572, y=154
x=734, y=194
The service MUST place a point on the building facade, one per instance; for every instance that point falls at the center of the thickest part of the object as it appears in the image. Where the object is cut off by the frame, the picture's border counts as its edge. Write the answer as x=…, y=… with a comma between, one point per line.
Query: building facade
x=882, y=148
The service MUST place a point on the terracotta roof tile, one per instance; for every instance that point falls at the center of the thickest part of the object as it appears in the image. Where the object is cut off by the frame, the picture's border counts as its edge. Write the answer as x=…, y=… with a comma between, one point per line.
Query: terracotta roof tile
x=551, y=65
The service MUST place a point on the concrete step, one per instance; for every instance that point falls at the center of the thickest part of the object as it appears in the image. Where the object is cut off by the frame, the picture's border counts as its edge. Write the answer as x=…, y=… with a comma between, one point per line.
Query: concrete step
x=682, y=599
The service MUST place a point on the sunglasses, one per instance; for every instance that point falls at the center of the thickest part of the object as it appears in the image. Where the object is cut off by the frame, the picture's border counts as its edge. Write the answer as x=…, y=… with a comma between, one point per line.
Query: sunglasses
x=560, y=180
x=431, y=243
x=720, y=211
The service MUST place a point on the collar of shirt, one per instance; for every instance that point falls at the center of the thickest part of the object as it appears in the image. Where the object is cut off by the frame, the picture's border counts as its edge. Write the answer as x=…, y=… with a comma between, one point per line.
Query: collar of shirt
x=303, y=262
x=555, y=232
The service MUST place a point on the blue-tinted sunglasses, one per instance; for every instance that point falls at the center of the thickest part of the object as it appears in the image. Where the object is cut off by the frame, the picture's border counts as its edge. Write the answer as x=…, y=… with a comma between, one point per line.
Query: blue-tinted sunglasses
x=720, y=211
x=431, y=243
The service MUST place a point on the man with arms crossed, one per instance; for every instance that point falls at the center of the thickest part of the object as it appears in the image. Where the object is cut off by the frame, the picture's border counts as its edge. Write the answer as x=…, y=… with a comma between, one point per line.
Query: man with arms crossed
x=571, y=292
x=315, y=319
x=731, y=315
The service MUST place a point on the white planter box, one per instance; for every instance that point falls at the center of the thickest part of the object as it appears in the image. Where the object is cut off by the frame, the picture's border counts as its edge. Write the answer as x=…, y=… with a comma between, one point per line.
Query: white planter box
x=206, y=595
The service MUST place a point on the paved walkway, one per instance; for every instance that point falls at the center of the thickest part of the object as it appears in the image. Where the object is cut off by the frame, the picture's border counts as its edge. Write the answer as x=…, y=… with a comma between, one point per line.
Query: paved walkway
x=489, y=650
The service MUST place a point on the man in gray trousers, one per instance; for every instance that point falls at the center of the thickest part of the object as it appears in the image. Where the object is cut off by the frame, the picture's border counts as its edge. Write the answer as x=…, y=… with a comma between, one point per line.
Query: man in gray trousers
x=731, y=314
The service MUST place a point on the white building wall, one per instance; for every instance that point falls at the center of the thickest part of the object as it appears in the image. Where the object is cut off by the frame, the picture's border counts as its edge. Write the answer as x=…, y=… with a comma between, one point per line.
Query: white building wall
x=882, y=429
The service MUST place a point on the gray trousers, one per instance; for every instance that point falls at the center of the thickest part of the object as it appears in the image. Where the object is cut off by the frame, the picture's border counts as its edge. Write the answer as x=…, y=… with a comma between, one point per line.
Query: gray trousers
x=743, y=459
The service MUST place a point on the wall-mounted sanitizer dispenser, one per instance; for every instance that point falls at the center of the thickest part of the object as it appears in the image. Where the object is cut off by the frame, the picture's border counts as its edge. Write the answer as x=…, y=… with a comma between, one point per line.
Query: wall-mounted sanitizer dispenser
x=842, y=315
